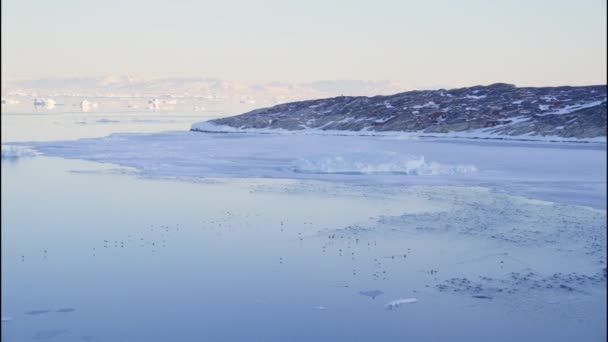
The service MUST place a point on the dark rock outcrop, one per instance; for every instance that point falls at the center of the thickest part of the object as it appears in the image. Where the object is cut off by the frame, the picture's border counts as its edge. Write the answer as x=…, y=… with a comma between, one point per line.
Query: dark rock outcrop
x=498, y=109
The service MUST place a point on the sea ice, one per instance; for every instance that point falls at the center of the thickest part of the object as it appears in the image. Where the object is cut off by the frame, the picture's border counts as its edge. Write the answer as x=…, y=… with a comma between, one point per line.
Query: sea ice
x=14, y=152
x=395, y=304
x=377, y=163
x=44, y=103
x=87, y=105
x=563, y=172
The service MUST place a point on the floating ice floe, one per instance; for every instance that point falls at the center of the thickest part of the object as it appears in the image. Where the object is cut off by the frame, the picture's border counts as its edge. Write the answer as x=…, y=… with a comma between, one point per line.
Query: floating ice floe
x=377, y=163
x=9, y=101
x=528, y=169
x=87, y=105
x=14, y=152
x=157, y=104
x=44, y=103
x=154, y=104
x=399, y=302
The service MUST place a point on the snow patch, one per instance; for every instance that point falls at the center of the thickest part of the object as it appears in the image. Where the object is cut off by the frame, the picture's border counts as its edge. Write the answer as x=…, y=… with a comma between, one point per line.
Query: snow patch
x=383, y=120
x=573, y=108
x=429, y=104
x=548, y=98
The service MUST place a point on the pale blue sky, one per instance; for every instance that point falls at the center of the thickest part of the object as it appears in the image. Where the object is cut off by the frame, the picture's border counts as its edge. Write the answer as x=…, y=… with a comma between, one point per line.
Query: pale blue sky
x=416, y=43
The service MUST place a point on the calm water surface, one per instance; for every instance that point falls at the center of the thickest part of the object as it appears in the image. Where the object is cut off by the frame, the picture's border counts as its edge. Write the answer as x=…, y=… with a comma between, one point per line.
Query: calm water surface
x=91, y=252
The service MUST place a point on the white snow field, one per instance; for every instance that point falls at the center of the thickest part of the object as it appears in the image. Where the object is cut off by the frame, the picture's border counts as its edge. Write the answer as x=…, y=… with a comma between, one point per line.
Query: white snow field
x=561, y=172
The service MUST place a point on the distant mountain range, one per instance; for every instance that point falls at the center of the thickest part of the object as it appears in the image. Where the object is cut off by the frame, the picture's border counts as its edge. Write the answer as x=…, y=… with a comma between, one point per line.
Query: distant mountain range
x=497, y=110
x=206, y=88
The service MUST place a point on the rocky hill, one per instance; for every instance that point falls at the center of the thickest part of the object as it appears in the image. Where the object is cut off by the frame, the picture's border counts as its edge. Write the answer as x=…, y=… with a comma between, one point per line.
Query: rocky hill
x=495, y=110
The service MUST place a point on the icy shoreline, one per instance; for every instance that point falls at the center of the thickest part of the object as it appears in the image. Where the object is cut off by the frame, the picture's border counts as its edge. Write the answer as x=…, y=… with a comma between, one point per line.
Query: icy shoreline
x=208, y=127
x=562, y=172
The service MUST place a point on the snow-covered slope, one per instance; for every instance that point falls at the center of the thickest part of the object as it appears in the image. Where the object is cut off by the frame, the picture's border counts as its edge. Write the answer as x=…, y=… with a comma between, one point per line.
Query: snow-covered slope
x=498, y=110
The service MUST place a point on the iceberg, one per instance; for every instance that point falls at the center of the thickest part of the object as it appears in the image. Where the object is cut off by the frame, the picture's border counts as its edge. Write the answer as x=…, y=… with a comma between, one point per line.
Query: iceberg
x=87, y=105
x=44, y=103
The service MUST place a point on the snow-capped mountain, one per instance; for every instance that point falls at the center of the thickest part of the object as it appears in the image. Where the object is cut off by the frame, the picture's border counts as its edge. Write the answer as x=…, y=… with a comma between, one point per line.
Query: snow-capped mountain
x=495, y=110
x=126, y=86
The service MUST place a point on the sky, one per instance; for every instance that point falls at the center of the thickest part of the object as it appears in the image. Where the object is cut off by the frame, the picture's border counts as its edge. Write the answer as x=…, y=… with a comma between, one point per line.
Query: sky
x=416, y=43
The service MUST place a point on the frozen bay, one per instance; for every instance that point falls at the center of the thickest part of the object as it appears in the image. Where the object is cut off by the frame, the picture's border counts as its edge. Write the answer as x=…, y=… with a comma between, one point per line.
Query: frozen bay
x=563, y=172
x=180, y=235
